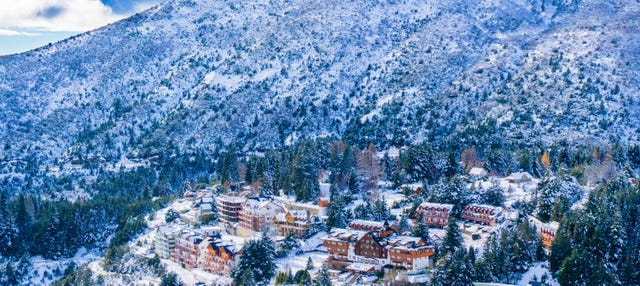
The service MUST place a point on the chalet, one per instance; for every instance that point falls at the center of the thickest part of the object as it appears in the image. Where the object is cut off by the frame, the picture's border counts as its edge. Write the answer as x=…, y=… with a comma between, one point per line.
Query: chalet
x=219, y=256
x=368, y=251
x=434, y=214
x=296, y=221
x=519, y=177
x=258, y=215
x=482, y=214
x=187, y=249
x=229, y=207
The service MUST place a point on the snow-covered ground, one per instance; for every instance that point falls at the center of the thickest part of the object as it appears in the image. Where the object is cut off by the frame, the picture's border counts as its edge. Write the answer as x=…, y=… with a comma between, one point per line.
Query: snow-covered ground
x=535, y=273
x=45, y=271
x=299, y=262
x=513, y=192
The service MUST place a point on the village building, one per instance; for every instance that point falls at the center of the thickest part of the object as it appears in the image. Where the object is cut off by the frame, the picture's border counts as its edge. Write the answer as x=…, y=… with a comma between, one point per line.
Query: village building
x=229, y=207
x=257, y=214
x=219, y=256
x=434, y=214
x=478, y=172
x=164, y=241
x=297, y=221
x=203, y=208
x=548, y=233
x=369, y=251
x=482, y=214
x=187, y=249
x=369, y=225
x=519, y=177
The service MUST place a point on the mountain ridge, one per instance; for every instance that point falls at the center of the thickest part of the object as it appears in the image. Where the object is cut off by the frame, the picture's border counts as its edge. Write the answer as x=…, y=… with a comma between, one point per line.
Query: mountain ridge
x=206, y=74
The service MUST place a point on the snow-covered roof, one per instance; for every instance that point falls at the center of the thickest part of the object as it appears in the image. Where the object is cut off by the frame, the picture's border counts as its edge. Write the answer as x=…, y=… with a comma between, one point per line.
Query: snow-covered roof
x=342, y=234
x=496, y=210
x=231, y=199
x=299, y=214
x=552, y=225
x=361, y=267
x=519, y=176
x=436, y=205
x=478, y=172
x=367, y=223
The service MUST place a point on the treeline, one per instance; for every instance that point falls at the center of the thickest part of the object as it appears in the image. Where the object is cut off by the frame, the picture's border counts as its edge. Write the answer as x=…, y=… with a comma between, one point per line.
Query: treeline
x=119, y=200
x=599, y=245
x=505, y=257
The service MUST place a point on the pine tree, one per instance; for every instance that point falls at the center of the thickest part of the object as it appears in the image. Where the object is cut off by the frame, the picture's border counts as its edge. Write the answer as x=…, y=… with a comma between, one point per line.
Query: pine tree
x=171, y=279
x=8, y=228
x=453, y=238
x=309, y=264
x=256, y=262
x=403, y=226
x=456, y=270
x=303, y=278
x=282, y=278
x=421, y=230
x=288, y=244
x=322, y=278
x=22, y=220
x=337, y=213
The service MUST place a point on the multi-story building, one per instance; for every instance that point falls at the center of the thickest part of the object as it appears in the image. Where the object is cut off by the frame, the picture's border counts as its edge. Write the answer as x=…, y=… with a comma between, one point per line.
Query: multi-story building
x=203, y=208
x=482, y=214
x=411, y=253
x=369, y=225
x=340, y=244
x=257, y=215
x=434, y=214
x=187, y=249
x=164, y=241
x=229, y=207
x=296, y=221
x=368, y=251
x=219, y=256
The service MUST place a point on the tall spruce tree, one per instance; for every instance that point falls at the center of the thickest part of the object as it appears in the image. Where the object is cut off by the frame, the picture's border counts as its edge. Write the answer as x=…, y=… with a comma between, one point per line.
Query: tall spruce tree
x=453, y=238
x=256, y=262
x=337, y=215
x=322, y=278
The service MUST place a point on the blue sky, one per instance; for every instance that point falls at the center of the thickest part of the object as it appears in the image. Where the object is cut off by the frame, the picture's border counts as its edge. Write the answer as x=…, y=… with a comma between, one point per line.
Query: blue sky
x=28, y=24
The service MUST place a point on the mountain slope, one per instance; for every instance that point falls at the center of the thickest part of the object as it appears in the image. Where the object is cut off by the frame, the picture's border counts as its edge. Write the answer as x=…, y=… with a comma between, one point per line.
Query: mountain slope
x=200, y=74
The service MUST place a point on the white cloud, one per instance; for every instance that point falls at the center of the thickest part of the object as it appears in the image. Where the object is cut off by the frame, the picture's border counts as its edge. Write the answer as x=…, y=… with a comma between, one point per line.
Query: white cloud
x=4, y=32
x=55, y=15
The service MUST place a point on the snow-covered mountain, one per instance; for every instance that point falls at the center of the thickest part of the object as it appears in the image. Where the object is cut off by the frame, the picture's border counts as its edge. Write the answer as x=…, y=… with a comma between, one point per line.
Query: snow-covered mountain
x=263, y=73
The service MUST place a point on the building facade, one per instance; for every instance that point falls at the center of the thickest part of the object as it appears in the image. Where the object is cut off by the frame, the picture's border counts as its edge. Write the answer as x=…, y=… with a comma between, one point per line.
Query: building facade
x=164, y=241
x=368, y=251
x=548, y=233
x=369, y=225
x=296, y=221
x=219, y=257
x=482, y=214
x=434, y=214
x=187, y=249
x=258, y=215
x=229, y=207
